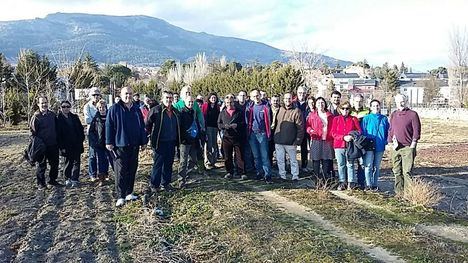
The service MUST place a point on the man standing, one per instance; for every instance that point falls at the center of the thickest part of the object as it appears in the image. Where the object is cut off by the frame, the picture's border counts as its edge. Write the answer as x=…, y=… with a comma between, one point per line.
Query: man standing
x=289, y=133
x=164, y=128
x=43, y=125
x=275, y=106
x=359, y=111
x=231, y=122
x=301, y=104
x=89, y=112
x=242, y=103
x=125, y=133
x=404, y=133
x=335, y=100
x=258, y=131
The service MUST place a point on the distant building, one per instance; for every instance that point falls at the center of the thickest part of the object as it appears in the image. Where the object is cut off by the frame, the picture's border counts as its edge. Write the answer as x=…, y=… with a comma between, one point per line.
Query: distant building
x=414, y=90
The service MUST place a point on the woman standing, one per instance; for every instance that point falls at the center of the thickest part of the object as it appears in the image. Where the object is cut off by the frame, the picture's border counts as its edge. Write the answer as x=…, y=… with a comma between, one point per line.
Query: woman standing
x=70, y=133
x=318, y=126
x=341, y=127
x=211, y=112
x=375, y=126
x=97, y=140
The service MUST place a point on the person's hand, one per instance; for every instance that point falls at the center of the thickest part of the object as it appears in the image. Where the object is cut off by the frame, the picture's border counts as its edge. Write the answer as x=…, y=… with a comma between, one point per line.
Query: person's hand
x=109, y=147
x=348, y=138
x=413, y=145
x=143, y=147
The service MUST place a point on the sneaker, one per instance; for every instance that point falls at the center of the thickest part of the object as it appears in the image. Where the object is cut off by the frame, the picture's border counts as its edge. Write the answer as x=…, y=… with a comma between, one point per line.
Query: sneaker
x=55, y=183
x=182, y=184
x=244, y=177
x=341, y=186
x=120, y=202
x=92, y=178
x=41, y=187
x=74, y=184
x=368, y=188
x=374, y=189
x=352, y=186
x=167, y=188
x=131, y=197
x=295, y=178
x=228, y=176
x=68, y=183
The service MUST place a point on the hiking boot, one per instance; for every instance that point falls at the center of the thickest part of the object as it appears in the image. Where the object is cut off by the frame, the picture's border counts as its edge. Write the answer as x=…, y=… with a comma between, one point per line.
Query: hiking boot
x=120, y=202
x=228, y=176
x=341, y=186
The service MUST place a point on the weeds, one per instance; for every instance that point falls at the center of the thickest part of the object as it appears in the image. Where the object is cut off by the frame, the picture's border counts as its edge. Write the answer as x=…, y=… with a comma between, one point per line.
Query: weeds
x=422, y=193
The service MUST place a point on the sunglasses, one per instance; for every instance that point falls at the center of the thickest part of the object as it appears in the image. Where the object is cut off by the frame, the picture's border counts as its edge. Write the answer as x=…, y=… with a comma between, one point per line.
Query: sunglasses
x=345, y=108
x=66, y=106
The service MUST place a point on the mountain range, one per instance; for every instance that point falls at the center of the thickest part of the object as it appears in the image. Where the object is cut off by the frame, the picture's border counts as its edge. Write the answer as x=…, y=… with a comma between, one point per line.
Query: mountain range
x=137, y=40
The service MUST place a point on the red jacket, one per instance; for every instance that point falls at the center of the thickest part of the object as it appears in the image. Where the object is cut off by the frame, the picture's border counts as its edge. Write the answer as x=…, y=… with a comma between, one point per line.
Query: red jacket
x=314, y=126
x=343, y=126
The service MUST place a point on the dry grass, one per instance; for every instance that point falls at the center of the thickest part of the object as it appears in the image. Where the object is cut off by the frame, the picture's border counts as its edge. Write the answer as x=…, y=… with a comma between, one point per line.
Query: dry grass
x=422, y=193
x=323, y=187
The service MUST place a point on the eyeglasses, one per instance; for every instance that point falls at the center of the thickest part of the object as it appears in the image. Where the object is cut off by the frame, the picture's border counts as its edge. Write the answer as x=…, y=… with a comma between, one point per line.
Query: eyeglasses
x=345, y=108
x=66, y=106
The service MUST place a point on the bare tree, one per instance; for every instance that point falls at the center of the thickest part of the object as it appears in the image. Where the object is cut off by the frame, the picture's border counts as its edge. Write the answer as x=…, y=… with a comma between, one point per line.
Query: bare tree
x=305, y=59
x=458, y=71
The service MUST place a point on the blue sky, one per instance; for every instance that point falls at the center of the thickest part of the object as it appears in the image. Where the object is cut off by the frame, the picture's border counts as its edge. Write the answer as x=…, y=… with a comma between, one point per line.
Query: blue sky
x=413, y=31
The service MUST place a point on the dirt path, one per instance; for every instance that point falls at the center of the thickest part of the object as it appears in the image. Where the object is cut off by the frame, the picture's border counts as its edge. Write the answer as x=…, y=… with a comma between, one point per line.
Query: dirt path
x=56, y=225
x=294, y=208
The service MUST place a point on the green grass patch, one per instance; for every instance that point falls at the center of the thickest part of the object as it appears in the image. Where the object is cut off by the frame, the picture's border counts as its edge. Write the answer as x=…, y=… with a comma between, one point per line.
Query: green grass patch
x=380, y=228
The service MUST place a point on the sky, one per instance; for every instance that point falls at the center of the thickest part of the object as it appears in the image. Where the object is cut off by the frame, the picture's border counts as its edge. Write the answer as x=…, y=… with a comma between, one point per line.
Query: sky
x=415, y=32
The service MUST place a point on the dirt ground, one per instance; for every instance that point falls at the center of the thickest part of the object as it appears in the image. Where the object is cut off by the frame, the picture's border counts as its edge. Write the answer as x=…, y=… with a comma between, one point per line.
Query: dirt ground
x=61, y=224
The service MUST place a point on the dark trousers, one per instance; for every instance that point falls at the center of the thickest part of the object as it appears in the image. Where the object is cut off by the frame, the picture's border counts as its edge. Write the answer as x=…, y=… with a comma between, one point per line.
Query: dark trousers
x=361, y=177
x=125, y=167
x=71, y=169
x=103, y=160
x=271, y=149
x=304, y=150
x=231, y=146
x=326, y=171
x=51, y=156
x=163, y=158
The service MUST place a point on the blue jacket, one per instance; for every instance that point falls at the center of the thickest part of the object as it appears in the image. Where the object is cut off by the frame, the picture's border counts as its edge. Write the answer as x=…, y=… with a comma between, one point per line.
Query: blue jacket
x=125, y=127
x=376, y=126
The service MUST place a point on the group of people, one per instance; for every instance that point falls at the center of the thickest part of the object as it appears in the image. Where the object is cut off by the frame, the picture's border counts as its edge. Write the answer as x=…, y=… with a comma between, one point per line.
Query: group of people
x=253, y=129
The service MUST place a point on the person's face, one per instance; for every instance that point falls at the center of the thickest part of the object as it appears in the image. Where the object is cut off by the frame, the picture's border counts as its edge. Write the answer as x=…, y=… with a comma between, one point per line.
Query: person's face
x=102, y=109
x=311, y=104
x=166, y=99
x=358, y=102
x=229, y=102
x=43, y=104
x=189, y=103
x=275, y=102
x=262, y=94
x=335, y=99
x=126, y=95
x=188, y=93
x=96, y=97
x=136, y=98
x=242, y=96
x=255, y=96
x=65, y=108
x=400, y=101
x=320, y=104
x=213, y=99
x=301, y=94
x=345, y=110
x=176, y=97
x=375, y=107
x=287, y=100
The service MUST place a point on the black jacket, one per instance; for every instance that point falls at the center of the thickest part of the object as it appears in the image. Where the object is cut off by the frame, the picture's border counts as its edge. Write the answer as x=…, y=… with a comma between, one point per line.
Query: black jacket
x=225, y=123
x=97, y=132
x=154, y=122
x=359, y=145
x=67, y=143
x=186, y=118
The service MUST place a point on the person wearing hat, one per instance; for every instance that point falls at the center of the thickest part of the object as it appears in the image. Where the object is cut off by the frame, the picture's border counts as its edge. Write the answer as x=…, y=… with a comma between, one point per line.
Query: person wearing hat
x=89, y=112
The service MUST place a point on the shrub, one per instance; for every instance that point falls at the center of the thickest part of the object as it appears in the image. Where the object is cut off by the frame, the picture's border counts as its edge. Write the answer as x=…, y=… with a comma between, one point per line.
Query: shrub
x=422, y=193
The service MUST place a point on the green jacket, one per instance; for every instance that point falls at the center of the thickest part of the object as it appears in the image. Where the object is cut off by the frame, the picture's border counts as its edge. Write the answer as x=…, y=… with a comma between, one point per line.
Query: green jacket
x=181, y=104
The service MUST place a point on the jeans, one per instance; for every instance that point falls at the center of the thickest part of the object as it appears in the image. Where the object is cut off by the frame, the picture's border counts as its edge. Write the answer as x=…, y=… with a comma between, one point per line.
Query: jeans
x=125, y=166
x=403, y=163
x=259, y=144
x=92, y=161
x=103, y=160
x=372, y=161
x=163, y=158
x=247, y=156
x=281, y=151
x=345, y=167
x=186, y=163
x=211, y=145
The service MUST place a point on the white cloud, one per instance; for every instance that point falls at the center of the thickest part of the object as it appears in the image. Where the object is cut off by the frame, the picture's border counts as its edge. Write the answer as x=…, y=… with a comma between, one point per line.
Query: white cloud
x=413, y=31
